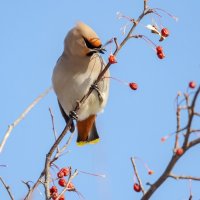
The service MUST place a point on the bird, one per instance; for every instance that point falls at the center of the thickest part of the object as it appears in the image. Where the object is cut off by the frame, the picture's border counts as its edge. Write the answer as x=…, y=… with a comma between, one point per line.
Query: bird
x=74, y=74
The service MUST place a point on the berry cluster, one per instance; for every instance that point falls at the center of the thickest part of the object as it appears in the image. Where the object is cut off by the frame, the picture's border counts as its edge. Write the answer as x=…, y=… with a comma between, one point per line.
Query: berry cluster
x=163, y=33
x=160, y=53
x=64, y=172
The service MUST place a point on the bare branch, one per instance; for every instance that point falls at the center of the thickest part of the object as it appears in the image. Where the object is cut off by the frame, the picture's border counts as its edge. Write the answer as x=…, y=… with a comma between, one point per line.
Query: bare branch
x=186, y=146
x=27, y=184
x=22, y=116
x=191, y=115
x=53, y=126
x=145, y=5
x=195, y=130
x=162, y=178
x=194, y=142
x=177, y=177
x=60, y=153
x=116, y=43
x=31, y=190
x=197, y=114
x=7, y=188
x=137, y=175
x=49, y=155
x=178, y=127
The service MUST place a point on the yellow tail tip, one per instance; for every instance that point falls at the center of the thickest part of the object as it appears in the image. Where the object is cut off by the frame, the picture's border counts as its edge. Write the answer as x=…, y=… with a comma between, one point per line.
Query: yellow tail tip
x=82, y=143
x=94, y=141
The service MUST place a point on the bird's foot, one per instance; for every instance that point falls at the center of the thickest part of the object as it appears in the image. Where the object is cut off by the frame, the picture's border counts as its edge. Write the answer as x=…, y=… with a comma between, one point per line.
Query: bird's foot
x=96, y=88
x=78, y=104
x=73, y=115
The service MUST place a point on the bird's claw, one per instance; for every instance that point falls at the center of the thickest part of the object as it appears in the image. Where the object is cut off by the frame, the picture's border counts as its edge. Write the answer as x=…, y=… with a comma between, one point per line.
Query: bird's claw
x=96, y=88
x=73, y=115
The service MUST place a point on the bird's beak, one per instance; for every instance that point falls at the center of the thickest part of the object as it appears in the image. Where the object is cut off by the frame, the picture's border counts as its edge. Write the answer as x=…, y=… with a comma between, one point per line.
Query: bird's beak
x=99, y=50
x=96, y=50
x=102, y=50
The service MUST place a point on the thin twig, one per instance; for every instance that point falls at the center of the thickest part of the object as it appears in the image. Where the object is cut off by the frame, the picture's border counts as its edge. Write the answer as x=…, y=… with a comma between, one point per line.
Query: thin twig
x=145, y=4
x=58, y=154
x=195, y=130
x=27, y=184
x=116, y=43
x=191, y=115
x=177, y=177
x=7, y=188
x=53, y=126
x=22, y=116
x=31, y=190
x=49, y=155
x=178, y=126
x=197, y=114
x=137, y=175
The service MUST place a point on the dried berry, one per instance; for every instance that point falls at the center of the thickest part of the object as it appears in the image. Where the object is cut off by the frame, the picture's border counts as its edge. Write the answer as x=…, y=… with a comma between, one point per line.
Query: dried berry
x=71, y=186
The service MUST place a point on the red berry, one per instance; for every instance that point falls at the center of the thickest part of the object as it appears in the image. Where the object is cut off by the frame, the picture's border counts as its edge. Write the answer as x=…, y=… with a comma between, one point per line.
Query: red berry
x=150, y=172
x=160, y=55
x=133, y=86
x=60, y=174
x=62, y=182
x=54, y=195
x=192, y=84
x=66, y=171
x=137, y=187
x=112, y=59
x=165, y=32
x=179, y=152
x=53, y=189
x=62, y=197
x=71, y=186
x=159, y=49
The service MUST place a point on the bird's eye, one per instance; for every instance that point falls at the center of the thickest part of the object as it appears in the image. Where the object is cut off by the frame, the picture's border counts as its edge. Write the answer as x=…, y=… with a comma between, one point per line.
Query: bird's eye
x=90, y=45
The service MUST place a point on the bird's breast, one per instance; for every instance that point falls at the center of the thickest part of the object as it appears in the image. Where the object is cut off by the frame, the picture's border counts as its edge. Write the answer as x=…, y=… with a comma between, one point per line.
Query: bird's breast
x=72, y=80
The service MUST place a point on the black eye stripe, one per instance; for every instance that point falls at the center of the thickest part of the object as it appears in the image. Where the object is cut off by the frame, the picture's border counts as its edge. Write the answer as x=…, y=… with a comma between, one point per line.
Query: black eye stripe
x=89, y=45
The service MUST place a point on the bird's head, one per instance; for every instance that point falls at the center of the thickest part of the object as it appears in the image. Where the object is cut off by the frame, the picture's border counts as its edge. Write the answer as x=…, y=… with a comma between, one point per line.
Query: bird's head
x=82, y=41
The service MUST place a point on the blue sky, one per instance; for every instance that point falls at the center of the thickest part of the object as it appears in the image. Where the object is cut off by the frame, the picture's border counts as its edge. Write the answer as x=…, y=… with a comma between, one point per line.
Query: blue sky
x=32, y=34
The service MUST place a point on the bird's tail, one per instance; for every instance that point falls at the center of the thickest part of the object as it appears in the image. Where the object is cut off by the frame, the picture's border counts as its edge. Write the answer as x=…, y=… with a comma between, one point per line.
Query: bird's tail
x=87, y=132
